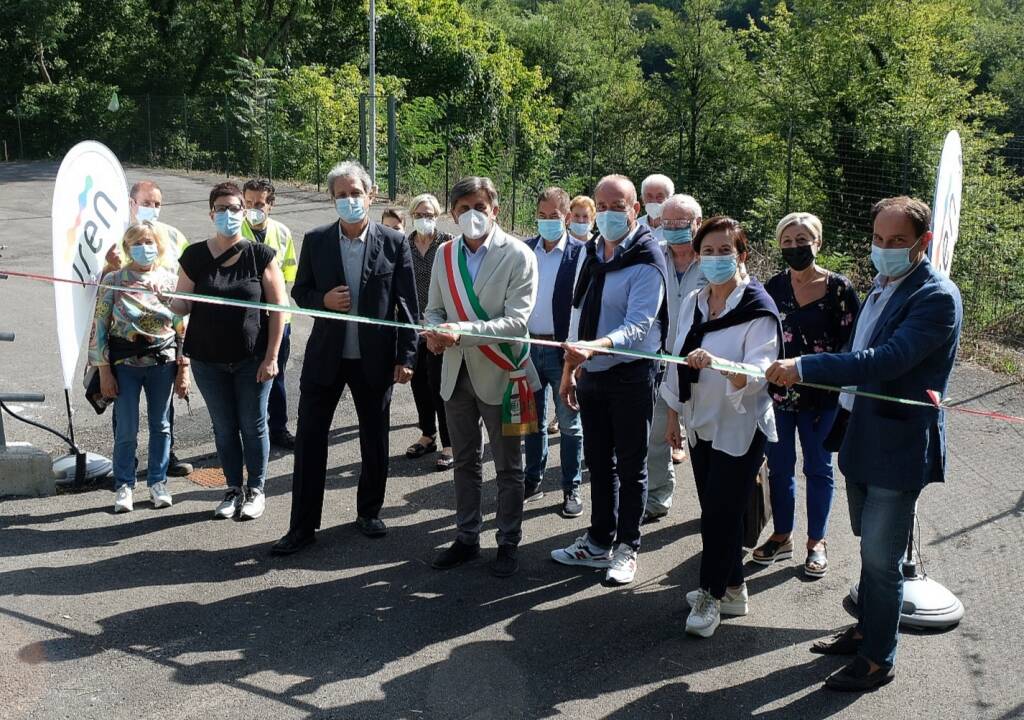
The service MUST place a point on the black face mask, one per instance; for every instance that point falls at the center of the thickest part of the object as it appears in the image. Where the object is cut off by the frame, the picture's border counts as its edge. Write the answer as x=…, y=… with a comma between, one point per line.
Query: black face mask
x=799, y=257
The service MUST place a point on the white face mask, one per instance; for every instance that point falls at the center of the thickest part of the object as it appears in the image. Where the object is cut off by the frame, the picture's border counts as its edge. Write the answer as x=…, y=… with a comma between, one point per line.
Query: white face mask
x=425, y=226
x=256, y=217
x=654, y=209
x=474, y=224
x=146, y=214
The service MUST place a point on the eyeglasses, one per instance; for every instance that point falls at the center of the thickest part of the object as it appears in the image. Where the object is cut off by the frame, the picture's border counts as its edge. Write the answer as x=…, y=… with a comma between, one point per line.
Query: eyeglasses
x=228, y=208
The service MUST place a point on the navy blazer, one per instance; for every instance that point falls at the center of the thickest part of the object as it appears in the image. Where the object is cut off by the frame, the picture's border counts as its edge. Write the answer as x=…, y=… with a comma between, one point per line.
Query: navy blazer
x=561, y=298
x=911, y=351
x=387, y=290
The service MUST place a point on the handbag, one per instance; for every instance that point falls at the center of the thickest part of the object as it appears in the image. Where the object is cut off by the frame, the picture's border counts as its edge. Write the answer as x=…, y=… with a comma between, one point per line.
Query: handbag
x=759, y=509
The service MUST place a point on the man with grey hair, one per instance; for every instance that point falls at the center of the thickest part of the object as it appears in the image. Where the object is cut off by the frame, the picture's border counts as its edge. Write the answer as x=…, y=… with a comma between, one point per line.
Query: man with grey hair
x=654, y=191
x=680, y=218
x=362, y=268
x=484, y=282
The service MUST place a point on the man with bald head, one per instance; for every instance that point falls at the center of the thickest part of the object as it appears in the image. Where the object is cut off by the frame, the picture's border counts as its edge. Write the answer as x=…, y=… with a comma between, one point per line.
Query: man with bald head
x=618, y=302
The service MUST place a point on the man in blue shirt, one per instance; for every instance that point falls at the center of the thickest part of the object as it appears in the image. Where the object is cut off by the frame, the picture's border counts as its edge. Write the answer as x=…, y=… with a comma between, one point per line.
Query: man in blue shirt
x=618, y=302
x=904, y=345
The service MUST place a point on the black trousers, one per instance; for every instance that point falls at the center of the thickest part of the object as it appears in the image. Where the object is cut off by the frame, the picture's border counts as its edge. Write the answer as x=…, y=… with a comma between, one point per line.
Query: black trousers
x=616, y=410
x=426, y=392
x=724, y=484
x=317, y=404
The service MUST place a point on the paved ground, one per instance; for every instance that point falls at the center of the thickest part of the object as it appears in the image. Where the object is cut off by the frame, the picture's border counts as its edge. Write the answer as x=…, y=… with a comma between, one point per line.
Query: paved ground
x=167, y=614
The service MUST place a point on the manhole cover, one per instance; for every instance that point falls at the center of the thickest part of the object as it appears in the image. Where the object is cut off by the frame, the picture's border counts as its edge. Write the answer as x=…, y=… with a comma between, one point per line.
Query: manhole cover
x=208, y=477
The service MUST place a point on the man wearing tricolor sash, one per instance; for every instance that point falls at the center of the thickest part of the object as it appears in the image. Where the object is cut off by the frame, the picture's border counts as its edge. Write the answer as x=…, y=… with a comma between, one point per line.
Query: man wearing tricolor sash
x=484, y=282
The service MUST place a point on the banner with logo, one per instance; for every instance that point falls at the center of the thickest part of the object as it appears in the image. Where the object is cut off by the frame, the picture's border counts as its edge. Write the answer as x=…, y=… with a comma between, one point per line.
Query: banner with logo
x=946, y=204
x=90, y=213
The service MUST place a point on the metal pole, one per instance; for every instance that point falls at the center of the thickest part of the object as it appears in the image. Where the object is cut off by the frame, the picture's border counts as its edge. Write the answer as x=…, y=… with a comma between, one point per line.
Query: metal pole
x=149, y=126
x=514, y=154
x=71, y=424
x=392, y=147
x=184, y=131
x=373, y=92
x=21, y=141
x=362, y=129
x=270, y=152
x=908, y=144
x=227, y=141
x=447, y=152
x=593, y=132
x=789, y=166
x=316, y=115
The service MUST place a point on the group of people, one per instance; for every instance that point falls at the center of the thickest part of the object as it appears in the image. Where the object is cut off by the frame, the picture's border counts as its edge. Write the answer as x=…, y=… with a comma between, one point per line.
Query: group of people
x=636, y=323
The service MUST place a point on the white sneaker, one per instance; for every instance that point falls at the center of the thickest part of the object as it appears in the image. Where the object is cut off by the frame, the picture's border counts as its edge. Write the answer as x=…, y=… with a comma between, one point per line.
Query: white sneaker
x=623, y=566
x=705, y=616
x=160, y=495
x=581, y=553
x=123, y=502
x=230, y=505
x=734, y=603
x=254, y=505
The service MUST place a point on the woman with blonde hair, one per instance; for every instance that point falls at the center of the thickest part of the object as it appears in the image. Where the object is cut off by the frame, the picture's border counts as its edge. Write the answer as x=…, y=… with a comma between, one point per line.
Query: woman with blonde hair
x=136, y=345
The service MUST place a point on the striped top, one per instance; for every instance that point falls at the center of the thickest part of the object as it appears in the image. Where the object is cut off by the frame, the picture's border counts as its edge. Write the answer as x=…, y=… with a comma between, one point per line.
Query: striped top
x=422, y=264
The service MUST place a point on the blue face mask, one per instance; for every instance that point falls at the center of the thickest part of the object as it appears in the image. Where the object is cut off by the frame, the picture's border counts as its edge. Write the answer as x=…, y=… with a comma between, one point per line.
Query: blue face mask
x=682, y=236
x=146, y=214
x=350, y=210
x=143, y=254
x=613, y=224
x=718, y=269
x=892, y=262
x=579, y=229
x=227, y=223
x=550, y=230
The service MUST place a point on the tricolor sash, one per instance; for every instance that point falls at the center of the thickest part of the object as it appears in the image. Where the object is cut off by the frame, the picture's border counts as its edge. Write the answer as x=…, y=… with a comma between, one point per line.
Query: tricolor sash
x=518, y=408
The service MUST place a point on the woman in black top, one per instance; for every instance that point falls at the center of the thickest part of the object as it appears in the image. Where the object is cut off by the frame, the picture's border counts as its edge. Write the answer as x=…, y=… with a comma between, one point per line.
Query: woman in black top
x=234, y=350
x=424, y=241
x=818, y=309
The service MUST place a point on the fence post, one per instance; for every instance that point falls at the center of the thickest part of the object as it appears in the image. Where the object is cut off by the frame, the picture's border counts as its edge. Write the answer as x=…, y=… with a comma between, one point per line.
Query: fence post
x=149, y=126
x=392, y=147
x=789, y=166
x=227, y=140
x=593, y=132
x=362, y=129
x=515, y=154
x=908, y=146
x=184, y=114
x=21, y=141
x=270, y=152
x=447, y=152
x=316, y=115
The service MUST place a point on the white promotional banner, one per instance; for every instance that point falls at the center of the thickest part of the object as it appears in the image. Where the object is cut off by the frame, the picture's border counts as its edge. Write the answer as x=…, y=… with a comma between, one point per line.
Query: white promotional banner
x=90, y=213
x=946, y=204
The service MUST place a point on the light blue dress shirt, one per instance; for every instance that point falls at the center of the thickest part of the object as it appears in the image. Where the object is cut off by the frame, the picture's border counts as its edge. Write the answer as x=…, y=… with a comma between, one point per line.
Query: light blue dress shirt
x=542, y=321
x=475, y=259
x=353, y=251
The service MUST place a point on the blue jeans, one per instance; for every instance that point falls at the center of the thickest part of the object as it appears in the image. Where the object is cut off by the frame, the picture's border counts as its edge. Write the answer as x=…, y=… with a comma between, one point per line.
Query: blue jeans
x=548, y=362
x=238, y=409
x=813, y=427
x=882, y=518
x=277, y=404
x=157, y=381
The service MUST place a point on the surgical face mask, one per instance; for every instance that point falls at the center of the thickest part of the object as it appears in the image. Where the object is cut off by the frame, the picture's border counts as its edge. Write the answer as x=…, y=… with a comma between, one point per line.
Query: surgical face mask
x=579, y=229
x=613, y=224
x=146, y=214
x=143, y=254
x=550, y=230
x=718, y=269
x=654, y=209
x=680, y=236
x=256, y=216
x=474, y=224
x=350, y=210
x=425, y=226
x=892, y=262
x=798, y=257
x=228, y=223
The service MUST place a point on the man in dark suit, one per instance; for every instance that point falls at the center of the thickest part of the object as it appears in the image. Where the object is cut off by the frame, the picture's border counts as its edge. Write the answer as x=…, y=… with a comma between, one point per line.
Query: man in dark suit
x=363, y=268
x=904, y=344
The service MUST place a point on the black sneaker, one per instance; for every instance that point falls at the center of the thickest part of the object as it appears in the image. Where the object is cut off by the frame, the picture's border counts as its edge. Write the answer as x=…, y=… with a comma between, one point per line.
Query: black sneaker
x=533, y=493
x=283, y=439
x=505, y=564
x=572, y=504
x=454, y=555
x=177, y=468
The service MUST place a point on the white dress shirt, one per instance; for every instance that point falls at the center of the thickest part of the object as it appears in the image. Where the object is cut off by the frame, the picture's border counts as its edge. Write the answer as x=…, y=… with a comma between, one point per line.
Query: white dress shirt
x=542, y=321
x=718, y=412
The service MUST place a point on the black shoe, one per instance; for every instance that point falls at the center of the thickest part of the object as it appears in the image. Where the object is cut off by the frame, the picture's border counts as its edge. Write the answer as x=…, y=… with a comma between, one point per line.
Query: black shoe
x=505, y=564
x=533, y=491
x=283, y=439
x=857, y=677
x=454, y=555
x=177, y=468
x=844, y=643
x=652, y=517
x=294, y=541
x=572, y=505
x=371, y=527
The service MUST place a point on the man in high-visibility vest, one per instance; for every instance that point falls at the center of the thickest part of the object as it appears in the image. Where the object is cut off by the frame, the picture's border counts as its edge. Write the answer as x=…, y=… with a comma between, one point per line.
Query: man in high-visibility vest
x=258, y=226
x=144, y=203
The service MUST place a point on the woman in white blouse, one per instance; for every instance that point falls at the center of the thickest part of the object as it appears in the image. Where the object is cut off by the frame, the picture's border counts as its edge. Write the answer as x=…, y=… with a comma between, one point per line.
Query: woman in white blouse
x=728, y=416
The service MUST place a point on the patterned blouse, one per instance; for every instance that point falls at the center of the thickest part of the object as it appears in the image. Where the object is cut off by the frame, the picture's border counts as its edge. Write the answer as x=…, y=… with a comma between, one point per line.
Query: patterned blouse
x=135, y=317
x=824, y=325
x=422, y=264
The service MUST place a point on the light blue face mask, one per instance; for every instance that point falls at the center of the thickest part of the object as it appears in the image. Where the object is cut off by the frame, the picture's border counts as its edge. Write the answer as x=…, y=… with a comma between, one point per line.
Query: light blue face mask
x=682, y=236
x=718, y=269
x=579, y=229
x=350, y=210
x=613, y=224
x=146, y=214
x=144, y=255
x=227, y=223
x=550, y=230
x=892, y=262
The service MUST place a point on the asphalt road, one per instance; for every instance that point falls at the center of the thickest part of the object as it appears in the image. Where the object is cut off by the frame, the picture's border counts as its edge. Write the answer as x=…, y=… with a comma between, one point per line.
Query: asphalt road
x=168, y=614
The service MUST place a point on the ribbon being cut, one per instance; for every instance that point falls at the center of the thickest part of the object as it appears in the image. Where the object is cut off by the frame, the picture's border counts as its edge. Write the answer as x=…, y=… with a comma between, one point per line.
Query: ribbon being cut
x=523, y=412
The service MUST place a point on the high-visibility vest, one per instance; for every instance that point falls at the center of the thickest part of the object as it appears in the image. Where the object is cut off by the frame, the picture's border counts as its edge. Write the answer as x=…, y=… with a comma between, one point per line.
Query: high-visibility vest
x=278, y=238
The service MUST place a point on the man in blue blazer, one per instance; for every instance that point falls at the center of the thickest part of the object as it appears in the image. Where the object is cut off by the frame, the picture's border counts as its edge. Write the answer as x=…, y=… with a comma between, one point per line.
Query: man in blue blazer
x=359, y=267
x=557, y=255
x=904, y=345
